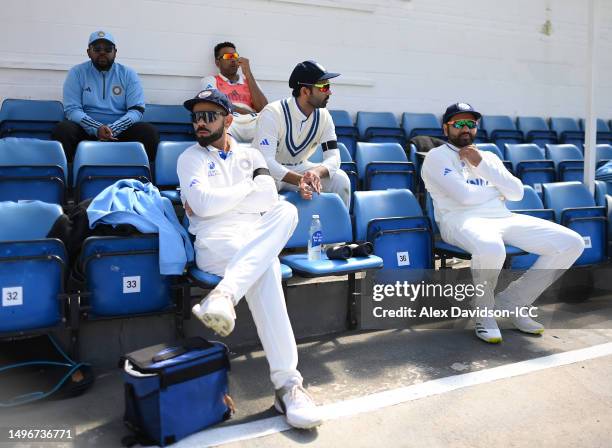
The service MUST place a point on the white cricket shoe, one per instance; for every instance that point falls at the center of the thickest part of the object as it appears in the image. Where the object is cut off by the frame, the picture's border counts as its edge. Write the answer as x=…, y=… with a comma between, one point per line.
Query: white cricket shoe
x=486, y=329
x=216, y=311
x=298, y=406
x=527, y=325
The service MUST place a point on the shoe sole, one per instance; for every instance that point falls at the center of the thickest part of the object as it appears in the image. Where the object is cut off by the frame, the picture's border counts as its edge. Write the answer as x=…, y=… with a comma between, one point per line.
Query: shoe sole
x=538, y=332
x=490, y=340
x=216, y=323
x=280, y=410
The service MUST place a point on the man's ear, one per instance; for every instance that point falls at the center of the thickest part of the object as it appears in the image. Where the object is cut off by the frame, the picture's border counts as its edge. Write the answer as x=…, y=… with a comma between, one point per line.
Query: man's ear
x=445, y=129
x=217, y=62
x=88, y=53
x=228, y=120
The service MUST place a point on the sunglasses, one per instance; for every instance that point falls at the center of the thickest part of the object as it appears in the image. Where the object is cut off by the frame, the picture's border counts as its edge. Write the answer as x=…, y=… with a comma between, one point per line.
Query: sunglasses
x=227, y=56
x=103, y=48
x=459, y=124
x=325, y=87
x=208, y=116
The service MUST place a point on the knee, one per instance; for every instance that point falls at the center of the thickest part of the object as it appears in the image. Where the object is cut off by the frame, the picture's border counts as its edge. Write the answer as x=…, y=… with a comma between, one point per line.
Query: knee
x=572, y=245
x=62, y=129
x=288, y=212
x=342, y=186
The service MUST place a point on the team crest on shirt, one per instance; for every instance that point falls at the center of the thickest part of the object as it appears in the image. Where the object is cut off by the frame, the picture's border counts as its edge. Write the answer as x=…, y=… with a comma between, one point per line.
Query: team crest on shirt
x=117, y=90
x=212, y=169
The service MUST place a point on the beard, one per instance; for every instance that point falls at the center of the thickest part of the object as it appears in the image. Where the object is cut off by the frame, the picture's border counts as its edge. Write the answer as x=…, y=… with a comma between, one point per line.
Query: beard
x=462, y=140
x=212, y=137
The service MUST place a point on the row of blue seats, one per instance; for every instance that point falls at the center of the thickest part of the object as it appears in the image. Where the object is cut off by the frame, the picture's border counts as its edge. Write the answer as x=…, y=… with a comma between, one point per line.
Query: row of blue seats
x=36, y=118
x=122, y=273
x=499, y=129
x=37, y=169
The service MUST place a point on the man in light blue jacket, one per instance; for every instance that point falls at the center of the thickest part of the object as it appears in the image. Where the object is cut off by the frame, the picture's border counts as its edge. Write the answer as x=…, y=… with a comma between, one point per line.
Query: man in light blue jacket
x=103, y=100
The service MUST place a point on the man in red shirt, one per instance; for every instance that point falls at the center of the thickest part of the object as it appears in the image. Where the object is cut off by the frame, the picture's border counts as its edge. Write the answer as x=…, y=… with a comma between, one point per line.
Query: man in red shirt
x=241, y=88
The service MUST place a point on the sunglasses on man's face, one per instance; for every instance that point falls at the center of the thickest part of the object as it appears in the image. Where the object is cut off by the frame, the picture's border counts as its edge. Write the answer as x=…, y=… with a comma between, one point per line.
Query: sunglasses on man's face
x=103, y=48
x=459, y=124
x=228, y=56
x=208, y=116
x=323, y=87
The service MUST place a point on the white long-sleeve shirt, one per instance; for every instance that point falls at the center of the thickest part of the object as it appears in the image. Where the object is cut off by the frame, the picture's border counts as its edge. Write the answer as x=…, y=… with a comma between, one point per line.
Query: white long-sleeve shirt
x=222, y=192
x=458, y=188
x=286, y=137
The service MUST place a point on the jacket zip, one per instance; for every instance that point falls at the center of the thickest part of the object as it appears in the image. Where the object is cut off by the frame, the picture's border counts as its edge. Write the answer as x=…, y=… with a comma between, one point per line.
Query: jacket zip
x=103, y=86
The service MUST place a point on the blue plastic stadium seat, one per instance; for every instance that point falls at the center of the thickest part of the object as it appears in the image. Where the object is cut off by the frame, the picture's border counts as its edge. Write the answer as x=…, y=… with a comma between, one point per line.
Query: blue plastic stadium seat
x=100, y=164
x=29, y=118
x=567, y=130
x=345, y=129
x=568, y=161
x=32, y=169
x=536, y=130
x=384, y=165
x=492, y=147
x=446, y=250
x=122, y=276
x=166, y=178
x=530, y=165
x=394, y=223
x=415, y=124
x=208, y=280
x=604, y=133
x=172, y=122
x=379, y=127
x=603, y=154
x=601, y=190
x=336, y=225
x=501, y=129
x=575, y=208
x=32, y=269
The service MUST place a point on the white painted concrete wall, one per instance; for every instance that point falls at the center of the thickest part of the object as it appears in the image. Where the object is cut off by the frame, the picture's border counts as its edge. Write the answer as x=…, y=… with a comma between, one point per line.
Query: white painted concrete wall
x=396, y=55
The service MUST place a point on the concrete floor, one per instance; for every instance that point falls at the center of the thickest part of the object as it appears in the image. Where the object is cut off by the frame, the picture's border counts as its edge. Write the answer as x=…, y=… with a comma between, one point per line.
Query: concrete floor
x=573, y=402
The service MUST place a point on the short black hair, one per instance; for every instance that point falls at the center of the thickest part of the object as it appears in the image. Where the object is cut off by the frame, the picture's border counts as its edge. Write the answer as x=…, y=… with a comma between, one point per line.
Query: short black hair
x=296, y=92
x=221, y=45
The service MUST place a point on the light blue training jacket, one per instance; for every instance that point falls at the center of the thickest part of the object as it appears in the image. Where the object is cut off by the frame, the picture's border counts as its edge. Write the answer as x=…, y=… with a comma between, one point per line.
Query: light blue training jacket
x=93, y=98
x=129, y=201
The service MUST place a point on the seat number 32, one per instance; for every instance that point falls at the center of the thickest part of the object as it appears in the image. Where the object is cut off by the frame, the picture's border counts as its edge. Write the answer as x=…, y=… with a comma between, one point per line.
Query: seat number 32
x=12, y=296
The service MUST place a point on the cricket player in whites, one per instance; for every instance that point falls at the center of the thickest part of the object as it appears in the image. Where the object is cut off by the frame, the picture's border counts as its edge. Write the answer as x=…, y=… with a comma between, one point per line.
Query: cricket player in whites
x=469, y=189
x=240, y=227
x=288, y=132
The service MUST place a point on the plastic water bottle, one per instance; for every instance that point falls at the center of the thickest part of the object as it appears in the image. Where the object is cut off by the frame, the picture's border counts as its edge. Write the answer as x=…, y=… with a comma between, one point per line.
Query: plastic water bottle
x=315, y=239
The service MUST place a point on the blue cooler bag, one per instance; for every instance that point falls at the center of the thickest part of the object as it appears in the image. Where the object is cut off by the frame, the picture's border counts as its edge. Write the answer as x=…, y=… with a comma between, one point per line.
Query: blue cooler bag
x=172, y=391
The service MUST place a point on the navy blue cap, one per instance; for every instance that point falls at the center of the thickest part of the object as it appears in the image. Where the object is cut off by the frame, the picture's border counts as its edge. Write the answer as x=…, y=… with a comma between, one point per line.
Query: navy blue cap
x=459, y=108
x=309, y=72
x=210, y=96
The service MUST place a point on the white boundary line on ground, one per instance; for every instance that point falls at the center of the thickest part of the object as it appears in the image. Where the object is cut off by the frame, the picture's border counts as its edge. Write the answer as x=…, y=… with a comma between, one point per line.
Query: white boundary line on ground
x=373, y=402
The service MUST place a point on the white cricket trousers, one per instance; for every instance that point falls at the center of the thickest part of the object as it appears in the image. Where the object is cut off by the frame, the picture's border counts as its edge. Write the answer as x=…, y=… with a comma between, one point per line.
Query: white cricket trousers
x=246, y=256
x=558, y=248
x=339, y=183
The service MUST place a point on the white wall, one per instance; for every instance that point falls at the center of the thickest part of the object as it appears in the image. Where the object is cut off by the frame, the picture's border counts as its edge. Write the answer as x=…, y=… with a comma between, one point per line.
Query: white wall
x=397, y=55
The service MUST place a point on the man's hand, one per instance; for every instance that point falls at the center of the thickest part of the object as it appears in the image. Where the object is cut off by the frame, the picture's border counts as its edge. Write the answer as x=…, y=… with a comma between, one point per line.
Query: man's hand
x=313, y=179
x=309, y=183
x=243, y=63
x=188, y=209
x=105, y=134
x=471, y=154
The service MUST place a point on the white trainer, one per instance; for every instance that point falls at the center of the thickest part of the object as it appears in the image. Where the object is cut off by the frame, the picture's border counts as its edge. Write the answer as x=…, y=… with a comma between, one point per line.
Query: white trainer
x=527, y=325
x=486, y=329
x=298, y=406
x=216, y=311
